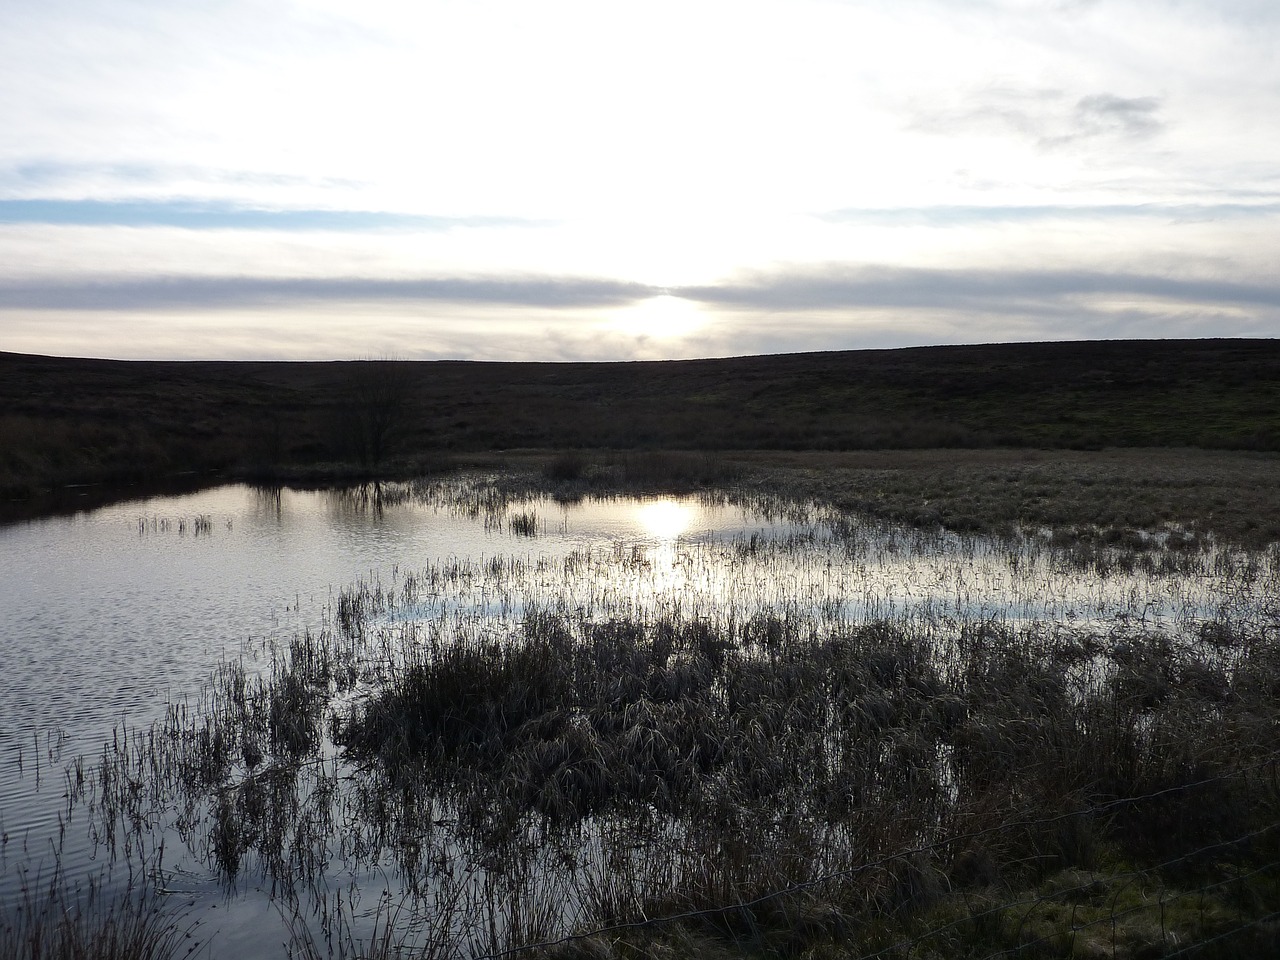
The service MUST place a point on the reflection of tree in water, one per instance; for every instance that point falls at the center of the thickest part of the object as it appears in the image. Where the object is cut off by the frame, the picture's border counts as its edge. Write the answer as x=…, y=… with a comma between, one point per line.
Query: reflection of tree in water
x=366, y=498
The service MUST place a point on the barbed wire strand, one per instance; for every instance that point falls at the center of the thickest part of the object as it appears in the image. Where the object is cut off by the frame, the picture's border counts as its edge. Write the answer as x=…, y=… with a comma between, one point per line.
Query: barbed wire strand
x=747, y=905
x=1247, y=925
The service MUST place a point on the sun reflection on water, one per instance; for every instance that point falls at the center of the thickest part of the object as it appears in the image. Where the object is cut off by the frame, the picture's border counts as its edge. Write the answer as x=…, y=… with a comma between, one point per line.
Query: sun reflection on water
x=664, y=519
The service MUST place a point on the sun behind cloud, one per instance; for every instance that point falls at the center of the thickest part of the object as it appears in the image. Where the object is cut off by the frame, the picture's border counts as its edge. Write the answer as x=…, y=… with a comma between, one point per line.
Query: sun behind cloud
x=663, y=317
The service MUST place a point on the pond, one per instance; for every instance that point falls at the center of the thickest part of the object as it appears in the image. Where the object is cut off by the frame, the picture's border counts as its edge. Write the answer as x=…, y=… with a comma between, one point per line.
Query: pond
x=201, y=689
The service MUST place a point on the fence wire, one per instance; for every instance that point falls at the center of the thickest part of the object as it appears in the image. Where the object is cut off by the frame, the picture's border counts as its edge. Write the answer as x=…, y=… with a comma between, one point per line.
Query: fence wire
x=906, y=945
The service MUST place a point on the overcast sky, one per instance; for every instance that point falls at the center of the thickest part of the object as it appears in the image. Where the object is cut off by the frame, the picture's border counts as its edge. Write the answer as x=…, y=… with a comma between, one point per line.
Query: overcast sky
x=611, y=180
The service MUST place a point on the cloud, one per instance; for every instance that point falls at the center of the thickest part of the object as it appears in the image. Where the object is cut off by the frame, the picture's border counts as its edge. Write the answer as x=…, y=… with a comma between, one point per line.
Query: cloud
x=1102, y=114
x=949, y=215
x=227, y=216
x=998, y=110
x=838, y=286
x=65, y=179
x=818, y=296
x=220, y=293
x=1046, y=117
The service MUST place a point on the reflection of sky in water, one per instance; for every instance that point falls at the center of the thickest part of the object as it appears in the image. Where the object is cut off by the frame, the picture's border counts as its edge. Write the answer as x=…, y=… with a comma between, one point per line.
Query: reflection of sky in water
x=664, y=519
x=113, y=613
x=715, y=562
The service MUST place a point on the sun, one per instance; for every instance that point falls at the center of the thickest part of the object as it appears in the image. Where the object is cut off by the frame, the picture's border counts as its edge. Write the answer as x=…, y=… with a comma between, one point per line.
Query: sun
x=662, y=317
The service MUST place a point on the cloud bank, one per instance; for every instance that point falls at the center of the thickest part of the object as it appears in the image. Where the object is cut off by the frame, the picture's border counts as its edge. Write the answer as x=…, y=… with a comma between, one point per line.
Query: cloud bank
x=254, y=178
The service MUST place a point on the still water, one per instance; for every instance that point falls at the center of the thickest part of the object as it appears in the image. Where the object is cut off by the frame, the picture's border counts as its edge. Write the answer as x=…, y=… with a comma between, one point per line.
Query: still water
x=107, y=614
x=110, y=616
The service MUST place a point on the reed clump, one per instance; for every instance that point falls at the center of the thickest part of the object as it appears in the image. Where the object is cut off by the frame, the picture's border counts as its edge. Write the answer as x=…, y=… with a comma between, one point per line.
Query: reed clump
x=785, y=758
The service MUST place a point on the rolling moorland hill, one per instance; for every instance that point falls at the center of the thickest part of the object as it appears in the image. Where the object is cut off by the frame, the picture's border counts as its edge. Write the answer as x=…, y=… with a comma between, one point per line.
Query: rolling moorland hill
x=65, y=421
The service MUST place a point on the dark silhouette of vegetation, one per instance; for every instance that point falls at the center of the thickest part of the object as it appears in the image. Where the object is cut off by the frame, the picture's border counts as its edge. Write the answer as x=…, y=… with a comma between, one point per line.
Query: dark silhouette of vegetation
x=54, y=919
x=66, y=421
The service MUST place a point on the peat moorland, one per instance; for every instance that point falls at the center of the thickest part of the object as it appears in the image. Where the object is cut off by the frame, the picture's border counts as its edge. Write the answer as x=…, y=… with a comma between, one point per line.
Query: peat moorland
x=73, y=421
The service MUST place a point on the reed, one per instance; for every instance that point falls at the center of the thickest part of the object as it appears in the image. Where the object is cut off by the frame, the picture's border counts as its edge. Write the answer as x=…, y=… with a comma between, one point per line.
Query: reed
x=524, y=524
x=54, y=919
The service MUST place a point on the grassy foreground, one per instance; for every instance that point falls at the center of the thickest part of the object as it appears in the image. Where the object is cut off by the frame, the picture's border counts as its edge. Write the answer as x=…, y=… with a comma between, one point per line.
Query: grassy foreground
x=58, y=919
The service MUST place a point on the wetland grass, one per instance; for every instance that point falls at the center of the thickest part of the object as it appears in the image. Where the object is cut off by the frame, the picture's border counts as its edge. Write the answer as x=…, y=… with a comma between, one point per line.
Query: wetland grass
x=823, y=744
x=54, y=919
x=524, y=524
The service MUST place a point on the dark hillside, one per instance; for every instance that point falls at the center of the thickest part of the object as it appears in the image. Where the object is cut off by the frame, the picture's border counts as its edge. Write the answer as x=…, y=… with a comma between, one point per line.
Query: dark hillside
x=68, y=420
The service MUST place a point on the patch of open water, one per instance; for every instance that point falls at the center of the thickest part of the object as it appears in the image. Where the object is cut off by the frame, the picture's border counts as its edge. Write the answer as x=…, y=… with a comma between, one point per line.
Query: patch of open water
x=109, y=615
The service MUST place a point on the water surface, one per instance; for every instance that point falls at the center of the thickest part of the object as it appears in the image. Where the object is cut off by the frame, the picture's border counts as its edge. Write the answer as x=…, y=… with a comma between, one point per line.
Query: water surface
x=111, y=616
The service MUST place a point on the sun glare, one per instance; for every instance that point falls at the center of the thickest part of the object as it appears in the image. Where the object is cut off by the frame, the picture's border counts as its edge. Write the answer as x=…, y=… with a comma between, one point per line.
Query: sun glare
x=664, y=317
x=664, y=519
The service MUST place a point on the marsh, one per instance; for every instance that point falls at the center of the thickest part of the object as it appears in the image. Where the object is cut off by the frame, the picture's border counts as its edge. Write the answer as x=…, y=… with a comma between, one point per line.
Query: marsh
x=462, y=715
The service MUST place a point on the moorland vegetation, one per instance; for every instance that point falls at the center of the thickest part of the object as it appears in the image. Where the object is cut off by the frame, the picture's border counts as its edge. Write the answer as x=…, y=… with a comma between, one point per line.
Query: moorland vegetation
x=68, y=421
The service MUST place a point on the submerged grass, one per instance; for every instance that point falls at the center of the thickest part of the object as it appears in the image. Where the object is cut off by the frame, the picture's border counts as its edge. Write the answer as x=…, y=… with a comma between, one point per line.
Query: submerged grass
x=828, y=743
x=846, y=739
x=840, y=748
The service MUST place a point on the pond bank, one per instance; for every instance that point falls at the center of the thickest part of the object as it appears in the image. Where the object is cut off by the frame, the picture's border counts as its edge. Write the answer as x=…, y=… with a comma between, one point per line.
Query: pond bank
x=1097, y=495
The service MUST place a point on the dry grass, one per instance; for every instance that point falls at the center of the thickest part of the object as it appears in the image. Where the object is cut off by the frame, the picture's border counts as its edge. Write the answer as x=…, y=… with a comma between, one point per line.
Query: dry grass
x=1096, y=494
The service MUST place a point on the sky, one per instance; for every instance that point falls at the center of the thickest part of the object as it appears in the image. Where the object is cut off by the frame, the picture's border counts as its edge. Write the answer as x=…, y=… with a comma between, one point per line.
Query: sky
x=612, y=180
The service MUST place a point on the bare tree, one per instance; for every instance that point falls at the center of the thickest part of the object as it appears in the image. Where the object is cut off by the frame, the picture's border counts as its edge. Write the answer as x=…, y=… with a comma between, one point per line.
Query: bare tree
x=374, y=401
